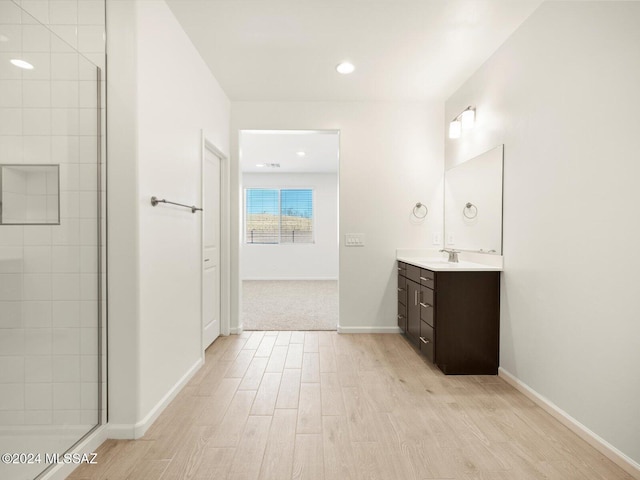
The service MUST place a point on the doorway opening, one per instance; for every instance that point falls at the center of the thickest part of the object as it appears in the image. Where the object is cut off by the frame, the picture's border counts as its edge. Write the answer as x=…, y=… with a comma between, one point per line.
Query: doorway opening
x=289, y=240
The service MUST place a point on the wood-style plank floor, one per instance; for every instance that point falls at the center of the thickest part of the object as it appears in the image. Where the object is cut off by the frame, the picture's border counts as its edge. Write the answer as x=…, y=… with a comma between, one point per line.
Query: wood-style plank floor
x=319, y=405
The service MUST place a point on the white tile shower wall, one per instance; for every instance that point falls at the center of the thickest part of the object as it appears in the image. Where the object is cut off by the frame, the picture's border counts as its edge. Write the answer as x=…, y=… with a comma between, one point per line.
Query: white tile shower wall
x=48, y=346
x=80, y=23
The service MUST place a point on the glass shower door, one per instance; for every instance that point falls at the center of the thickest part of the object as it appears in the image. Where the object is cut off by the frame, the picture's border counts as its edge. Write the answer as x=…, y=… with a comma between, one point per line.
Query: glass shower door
x=50, y=322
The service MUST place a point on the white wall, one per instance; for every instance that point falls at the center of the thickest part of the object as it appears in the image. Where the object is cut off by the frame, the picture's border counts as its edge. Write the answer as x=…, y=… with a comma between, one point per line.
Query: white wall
x=562, y=95
x=310, y=261
x=390, y=158
x=164, y=94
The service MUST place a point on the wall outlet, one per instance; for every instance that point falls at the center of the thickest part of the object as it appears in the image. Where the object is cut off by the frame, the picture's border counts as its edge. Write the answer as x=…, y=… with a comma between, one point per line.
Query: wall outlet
x=437, y=238
x=354, y=239
x=451, y=239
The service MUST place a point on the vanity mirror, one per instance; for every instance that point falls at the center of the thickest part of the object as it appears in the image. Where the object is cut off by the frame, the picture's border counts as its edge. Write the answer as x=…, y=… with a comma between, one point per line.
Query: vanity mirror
x=29, y=194
x=473, y=204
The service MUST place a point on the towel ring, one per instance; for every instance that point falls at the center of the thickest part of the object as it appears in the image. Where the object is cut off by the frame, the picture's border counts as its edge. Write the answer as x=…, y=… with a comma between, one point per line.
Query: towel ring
x=419, y=206
x=473, y=211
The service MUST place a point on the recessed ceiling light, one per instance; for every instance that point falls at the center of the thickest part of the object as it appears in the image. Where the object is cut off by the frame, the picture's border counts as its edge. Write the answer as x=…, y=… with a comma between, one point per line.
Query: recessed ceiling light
x=260, y=165
x=21, y=64
x=301, y=153
x=345, y=68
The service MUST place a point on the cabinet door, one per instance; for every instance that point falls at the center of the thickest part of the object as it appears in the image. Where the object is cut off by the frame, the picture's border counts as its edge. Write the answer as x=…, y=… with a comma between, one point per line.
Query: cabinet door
x=413, y=311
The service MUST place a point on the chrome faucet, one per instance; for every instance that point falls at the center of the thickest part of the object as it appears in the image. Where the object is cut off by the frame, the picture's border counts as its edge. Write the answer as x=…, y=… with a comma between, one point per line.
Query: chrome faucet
x=453, y=255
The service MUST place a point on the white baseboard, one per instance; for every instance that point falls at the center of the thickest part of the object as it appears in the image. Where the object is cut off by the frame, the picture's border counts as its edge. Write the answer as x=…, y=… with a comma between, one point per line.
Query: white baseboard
x=273, y=279
x=88, y=445
x=121, y=431
x=237, y=330
x=129, y=431
x=342, y=329
x=597, y=442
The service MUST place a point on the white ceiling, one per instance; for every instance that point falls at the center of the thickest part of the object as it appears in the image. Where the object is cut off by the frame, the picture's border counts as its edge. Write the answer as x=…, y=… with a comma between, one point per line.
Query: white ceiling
x=282, y=147
x=287, y=50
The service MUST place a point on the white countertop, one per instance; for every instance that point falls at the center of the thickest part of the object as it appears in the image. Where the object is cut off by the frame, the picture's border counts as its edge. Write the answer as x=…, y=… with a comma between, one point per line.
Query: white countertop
x=437, y=262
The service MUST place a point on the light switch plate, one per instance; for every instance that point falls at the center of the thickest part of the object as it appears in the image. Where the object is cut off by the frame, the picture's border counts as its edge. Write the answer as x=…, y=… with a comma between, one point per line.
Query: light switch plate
x=437, y=238
x=354, y=239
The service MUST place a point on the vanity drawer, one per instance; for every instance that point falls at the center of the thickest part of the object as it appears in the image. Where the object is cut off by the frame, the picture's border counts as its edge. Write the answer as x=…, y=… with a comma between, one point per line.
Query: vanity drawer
x=427, y=278
x=426, y=305
x=413, y=273
x=427, y=345
x=402, y=290
x=402, y=269
x=402, y=317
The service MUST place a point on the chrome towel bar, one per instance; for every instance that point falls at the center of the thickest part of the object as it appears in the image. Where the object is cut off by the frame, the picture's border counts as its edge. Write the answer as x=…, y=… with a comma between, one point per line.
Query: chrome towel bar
x=155, y=201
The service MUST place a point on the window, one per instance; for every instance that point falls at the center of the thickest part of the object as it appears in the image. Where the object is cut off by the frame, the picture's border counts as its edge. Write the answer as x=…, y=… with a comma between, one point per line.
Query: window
x=278, y=216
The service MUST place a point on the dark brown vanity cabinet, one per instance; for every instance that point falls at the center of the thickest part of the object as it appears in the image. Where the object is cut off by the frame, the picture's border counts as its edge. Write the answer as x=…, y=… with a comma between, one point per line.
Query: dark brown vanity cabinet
x=452, y=317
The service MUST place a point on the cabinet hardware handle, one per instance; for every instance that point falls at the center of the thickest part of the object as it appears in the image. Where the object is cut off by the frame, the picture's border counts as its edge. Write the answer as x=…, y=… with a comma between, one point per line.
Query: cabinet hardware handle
x=422, y=278
x=424, y=340
x=415, y=297
x=399, y=269
x=425, y=305
x=400, y=316
x=400, y=289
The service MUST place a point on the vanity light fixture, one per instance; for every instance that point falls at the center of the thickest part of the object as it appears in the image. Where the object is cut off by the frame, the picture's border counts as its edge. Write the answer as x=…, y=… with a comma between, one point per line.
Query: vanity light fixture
x=21, y=64
x=464, y=121
x=301, y=153
x=468, y=118
x=455, y=127
x=345, y=68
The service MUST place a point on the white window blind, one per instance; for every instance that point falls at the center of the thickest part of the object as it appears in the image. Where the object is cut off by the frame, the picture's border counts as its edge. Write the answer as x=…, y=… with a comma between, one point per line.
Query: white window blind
x=278, y=216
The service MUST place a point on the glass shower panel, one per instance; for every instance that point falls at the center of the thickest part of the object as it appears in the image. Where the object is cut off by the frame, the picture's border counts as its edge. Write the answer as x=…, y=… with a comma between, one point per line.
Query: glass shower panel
x=49, y=274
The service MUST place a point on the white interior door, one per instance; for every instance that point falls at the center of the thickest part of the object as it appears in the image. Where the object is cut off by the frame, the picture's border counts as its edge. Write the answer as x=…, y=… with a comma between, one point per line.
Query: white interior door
x=211, y=249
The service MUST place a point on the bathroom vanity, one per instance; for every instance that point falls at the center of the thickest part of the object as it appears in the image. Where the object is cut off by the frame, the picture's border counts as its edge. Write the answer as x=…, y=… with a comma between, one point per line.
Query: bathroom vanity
x=451, y=313
x=450, y=309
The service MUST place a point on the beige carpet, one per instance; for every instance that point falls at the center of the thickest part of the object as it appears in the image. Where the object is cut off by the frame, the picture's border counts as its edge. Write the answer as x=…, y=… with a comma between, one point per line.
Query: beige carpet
x=290, y=305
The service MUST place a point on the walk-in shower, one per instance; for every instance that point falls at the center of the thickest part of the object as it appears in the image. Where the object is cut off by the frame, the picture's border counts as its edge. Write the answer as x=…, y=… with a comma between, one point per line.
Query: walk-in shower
x=50, y=248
